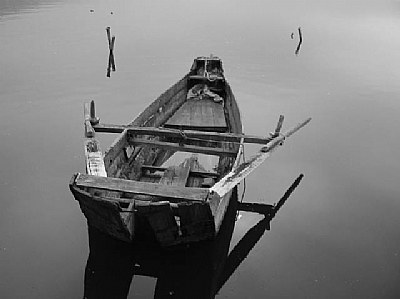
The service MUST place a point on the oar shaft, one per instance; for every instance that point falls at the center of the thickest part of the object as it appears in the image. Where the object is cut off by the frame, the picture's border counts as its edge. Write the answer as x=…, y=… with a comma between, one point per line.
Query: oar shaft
x=236, y=175
x=296, y=128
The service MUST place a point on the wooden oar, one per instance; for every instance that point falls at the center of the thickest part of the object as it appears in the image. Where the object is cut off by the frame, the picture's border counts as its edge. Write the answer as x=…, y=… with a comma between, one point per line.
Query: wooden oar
x=243, y=170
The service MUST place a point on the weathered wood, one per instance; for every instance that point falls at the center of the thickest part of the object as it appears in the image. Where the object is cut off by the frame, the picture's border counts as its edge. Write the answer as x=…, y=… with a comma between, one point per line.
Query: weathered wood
x=103, y=215
x=164, y=113
x=170, y=192
x=184, y=147
x=110, y=128
x=94, y=158
x=162, y=221
x=192, y=172
x=279, y=125
x=260, y=208
x=132, y=196
x=93, y=154
x=108, y=37
x=185, y=171
x=300, y=41
x=178, y=175
x=90, y=119
x=233, y=113
x=115, y=166
x=89, y=131
x=168, y=176
x=93, y=118
x=196, y=220
x=142, y=203
x=198, y=113
x=112, y=46
x=162, y=102
x=114, y=151
x=235, y=176
x=175, y=133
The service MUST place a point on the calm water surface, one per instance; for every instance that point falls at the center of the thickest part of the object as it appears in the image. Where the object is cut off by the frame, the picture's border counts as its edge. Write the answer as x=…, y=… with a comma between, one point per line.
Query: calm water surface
x=339, y=234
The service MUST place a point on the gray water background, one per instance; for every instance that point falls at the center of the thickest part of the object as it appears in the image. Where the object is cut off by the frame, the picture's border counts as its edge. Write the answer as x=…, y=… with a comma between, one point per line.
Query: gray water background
x=337, y=237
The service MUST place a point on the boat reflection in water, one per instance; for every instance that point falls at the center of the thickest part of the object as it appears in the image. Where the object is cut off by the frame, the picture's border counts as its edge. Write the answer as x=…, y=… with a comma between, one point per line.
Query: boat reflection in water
x=198, y=270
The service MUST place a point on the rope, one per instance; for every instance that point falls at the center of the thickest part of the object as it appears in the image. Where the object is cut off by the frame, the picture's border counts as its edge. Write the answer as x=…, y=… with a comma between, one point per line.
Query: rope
x=244, y=182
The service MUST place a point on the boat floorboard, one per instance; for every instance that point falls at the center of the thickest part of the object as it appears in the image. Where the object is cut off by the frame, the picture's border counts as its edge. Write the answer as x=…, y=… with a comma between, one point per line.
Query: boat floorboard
x=200, y=114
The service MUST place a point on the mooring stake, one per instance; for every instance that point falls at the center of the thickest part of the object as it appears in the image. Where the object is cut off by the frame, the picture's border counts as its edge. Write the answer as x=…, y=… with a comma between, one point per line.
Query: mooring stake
x=111, y=40
x=300, y=41
x=108, y=37
x=94, y=120
x=111, y=62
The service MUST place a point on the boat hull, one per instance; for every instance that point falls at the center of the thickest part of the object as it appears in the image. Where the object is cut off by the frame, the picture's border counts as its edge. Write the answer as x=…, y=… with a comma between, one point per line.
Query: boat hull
x=197, y=221
x=129, y=214
x=105, y=215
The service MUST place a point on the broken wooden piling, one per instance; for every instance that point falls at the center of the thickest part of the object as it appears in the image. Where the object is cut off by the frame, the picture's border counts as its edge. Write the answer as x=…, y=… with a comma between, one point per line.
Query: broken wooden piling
x=111, y=61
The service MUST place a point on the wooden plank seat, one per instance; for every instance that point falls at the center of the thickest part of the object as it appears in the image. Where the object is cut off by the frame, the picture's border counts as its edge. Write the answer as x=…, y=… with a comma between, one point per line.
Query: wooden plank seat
x=217, y=151
x=176, y=133
x=170, y=192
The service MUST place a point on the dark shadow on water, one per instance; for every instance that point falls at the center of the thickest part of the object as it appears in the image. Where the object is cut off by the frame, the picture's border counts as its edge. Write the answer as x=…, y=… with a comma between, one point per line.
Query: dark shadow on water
x=196, y=271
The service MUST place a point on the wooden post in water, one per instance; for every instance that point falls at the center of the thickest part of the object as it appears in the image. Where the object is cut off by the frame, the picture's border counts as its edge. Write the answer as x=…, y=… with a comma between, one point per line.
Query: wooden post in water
x=300, y=41
x=94, y=120
x=109, y=37
x=90, y=119
x=112, y=54
x=111, y=62
x=89, y=131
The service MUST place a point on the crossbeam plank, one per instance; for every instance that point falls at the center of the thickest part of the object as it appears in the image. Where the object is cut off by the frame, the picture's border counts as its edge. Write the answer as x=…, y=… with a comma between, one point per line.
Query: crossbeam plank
x=260, y=208
x=227, y=137
x=114, y=184
x=185, y=147
x=109, y=128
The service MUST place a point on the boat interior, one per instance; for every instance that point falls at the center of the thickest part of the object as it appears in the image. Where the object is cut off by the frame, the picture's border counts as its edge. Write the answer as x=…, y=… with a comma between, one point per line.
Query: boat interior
x=179, y=160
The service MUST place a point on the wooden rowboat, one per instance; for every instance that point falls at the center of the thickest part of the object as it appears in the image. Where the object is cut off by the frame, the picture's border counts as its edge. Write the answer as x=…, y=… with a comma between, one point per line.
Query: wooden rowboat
x=171, y=173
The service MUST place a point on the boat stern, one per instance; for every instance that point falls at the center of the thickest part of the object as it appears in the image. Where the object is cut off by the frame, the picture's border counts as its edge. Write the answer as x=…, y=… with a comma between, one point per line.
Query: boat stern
x=105, y=214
